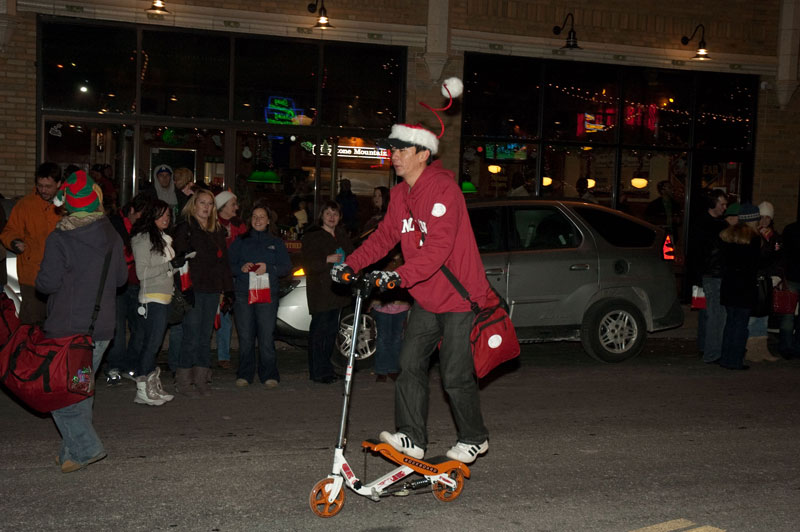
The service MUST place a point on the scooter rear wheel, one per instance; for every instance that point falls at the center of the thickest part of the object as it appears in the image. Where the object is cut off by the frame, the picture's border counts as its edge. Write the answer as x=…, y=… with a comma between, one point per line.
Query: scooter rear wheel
x=443, y=493
x=318, y=499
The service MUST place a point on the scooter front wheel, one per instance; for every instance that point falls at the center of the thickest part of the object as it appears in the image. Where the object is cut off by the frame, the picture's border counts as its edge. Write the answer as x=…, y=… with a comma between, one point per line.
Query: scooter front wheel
x=318, y=499
x=445, y=494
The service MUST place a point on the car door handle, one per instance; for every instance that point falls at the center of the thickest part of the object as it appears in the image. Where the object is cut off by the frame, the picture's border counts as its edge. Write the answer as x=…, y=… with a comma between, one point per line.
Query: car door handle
x=494, y=271
x=579, y=267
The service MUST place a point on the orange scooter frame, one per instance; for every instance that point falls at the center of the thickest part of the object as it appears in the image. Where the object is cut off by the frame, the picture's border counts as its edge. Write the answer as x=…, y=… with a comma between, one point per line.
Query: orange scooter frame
x=445, y=476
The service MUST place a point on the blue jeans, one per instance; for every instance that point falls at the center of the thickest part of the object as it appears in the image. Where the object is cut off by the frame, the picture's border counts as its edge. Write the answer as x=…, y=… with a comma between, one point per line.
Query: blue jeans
x=224, y=336
x=456, y=367
x=734, y=337
x=757, y=326
x=256, y=321
x=79, y=441
x=174, y=350
x=122, y=357
x=321, y=339
x=789, y=333
x=154, y=325
x=715, y=319
x=389, y=341
x=198, y=324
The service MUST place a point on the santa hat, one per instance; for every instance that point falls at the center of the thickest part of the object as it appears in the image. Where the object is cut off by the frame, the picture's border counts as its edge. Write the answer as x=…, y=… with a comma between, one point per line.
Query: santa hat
x=79, y=193
x=407, y=135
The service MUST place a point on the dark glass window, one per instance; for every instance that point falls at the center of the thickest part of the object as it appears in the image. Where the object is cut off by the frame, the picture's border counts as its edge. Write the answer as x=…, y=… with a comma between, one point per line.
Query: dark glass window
x=487, y=224
x=88, y=68
x=657, y=107
x=493, y=107
x=726, y=108
x=362, y=85
x=581, y=101
x=275, y=81
x=616, y=230
x=536, y=227
x=185, y=74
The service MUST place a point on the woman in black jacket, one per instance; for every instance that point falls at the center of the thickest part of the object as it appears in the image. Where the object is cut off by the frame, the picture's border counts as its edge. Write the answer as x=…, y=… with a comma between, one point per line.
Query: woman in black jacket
x=212, y=282
x=741, y=247
x=323, y=246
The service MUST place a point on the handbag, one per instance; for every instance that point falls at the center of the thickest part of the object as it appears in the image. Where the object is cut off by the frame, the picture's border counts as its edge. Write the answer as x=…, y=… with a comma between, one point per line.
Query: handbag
x=698, y=298
x=258, y=291
x=178, y=307
x=763, y=304
x=492, y=337
x=51, y=373
x=784, y=301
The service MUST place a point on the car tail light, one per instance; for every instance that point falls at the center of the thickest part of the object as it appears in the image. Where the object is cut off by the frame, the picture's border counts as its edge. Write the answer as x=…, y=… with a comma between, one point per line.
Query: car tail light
x=668, y=250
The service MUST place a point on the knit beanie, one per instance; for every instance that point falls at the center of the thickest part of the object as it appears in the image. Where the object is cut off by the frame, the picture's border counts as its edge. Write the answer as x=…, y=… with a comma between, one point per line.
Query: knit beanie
x=79, y=194
x=222, y=198
x=766, y=209
x=749, y=213
x=732, y=210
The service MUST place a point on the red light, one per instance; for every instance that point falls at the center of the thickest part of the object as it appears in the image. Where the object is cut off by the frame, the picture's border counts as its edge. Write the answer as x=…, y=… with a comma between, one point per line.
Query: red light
x=668, y=250
x=479, y=149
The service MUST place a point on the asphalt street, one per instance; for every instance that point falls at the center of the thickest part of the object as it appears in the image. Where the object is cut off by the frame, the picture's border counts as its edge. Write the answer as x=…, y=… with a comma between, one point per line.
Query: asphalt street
x=659, y=443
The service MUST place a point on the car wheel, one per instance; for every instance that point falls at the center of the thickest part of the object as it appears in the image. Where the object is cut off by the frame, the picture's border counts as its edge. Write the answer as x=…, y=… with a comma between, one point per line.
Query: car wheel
x=367, y=335
x=613, y=331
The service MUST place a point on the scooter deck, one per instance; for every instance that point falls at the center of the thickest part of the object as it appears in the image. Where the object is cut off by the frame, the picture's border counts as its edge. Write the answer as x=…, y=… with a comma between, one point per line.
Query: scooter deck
x=437, y=465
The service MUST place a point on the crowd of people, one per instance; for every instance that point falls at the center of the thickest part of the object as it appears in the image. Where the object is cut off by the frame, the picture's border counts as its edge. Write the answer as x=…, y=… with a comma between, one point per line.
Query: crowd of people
x=740, y=259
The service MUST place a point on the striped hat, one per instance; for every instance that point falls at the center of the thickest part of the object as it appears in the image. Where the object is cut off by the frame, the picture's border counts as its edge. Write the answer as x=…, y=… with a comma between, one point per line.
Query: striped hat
x=79, y=193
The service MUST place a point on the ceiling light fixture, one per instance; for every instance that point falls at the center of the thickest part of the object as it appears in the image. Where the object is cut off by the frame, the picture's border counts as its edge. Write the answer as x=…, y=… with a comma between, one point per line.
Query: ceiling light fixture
x=702, y=52
x=158, y=8
x=572, y=39
x=322, y=22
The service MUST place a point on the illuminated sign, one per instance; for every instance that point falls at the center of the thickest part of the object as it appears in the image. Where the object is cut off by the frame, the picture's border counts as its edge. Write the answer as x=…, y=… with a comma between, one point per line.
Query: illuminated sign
x=349, y=152
x=281, y=111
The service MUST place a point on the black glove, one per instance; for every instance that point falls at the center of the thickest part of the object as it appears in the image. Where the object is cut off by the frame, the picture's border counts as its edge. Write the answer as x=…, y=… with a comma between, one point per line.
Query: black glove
x=386, y=280
x=14, y=243
x=227, y=302
x=178, y=261
x=342, y=273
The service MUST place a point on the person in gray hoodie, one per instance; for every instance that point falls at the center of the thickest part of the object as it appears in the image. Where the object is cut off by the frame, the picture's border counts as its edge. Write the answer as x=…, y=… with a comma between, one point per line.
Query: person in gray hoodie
x=70, y=273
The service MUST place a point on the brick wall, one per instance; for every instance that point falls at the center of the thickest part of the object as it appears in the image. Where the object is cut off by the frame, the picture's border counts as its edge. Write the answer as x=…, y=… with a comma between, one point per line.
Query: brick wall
x=18, y=109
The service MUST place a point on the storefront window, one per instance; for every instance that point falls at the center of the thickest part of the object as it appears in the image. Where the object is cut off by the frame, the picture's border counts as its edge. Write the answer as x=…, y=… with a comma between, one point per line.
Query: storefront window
x=726, y=107
x=276, y=81
x=579, y=172
x=360, y=87
x=88, y=68
x=657, y=107
x=493, y=107
x=185, y=74
x=497, y=169
x=581, y=102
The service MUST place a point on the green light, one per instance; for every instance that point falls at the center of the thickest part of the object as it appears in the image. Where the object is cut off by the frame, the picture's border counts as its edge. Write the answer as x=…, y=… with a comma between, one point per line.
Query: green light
x=261, y=176
x=468, y=188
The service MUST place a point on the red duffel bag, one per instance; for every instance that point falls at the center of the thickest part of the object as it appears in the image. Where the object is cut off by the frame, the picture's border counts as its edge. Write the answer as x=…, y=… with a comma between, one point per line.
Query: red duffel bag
x=47, y=373
x=9, y=321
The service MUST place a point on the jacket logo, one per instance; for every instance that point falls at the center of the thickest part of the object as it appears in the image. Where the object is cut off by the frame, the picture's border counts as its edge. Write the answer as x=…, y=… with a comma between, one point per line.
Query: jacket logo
x=408, y=226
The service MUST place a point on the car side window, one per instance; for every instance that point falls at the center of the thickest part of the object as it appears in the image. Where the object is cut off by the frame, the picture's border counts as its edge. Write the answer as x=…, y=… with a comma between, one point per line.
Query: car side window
x=487, y=226
x=542, y=227
x=616, y=230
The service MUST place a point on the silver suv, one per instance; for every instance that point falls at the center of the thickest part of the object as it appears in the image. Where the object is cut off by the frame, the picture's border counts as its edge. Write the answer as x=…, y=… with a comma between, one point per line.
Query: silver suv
x=568, y=270
x=571, y=270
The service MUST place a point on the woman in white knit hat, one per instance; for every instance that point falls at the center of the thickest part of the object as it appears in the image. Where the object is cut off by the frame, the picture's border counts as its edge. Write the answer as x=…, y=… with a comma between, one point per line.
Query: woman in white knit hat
x=757, y=350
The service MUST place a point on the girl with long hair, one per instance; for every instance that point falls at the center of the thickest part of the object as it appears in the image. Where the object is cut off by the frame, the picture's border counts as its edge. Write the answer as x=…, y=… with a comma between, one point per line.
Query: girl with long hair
x=154, y=257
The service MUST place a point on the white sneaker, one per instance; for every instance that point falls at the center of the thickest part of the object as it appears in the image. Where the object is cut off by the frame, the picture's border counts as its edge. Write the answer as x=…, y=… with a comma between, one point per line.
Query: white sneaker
x=467, y=452
x=402, y=443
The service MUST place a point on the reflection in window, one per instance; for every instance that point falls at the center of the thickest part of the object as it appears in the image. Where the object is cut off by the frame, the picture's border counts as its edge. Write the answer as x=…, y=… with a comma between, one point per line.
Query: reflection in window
x=579, y=172
x=487, y=224
x=656, y=110
x=494, y=107
x=361, y=85
x=581, y=102
x=200, y=150
x=185, y=74
x=94, y=73
x=498, y=169
x=540, y=228
x=726, y=107
x=275, y=81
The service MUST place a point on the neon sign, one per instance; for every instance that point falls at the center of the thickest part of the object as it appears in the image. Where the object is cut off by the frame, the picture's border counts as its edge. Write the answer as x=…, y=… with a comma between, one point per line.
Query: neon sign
x=281, y=111
x=349, y=152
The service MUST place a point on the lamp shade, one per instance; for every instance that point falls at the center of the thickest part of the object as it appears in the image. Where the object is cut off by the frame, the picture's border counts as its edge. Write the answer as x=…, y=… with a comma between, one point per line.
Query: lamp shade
x=264, y=176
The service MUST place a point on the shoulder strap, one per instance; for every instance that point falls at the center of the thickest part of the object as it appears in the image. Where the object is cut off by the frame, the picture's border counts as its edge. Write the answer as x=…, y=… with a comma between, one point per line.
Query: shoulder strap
x=99, y=297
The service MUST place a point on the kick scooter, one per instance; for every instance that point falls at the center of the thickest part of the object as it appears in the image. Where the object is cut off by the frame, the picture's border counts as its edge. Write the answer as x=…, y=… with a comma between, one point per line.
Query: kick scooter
x=443, y=475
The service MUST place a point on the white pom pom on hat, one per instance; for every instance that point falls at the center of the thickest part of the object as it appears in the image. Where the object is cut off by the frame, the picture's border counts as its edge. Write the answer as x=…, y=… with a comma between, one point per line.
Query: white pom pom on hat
x=455, y=87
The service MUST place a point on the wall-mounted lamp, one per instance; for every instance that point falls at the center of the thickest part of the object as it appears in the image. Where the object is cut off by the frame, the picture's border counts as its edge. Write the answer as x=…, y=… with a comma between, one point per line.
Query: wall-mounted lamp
x=702, y=52
x=322, y=21
x=572, y=39
x=495, y=168
x=158, y=8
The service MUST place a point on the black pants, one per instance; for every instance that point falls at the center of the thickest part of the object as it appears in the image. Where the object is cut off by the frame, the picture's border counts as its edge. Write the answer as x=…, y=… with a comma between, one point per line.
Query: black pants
x=321, y=339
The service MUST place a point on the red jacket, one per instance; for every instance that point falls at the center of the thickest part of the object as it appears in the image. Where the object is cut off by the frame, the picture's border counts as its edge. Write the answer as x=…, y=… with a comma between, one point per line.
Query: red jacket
x=440, y=213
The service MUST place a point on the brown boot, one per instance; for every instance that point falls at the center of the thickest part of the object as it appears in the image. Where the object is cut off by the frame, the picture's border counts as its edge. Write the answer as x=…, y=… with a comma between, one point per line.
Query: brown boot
x=201, y=376
x=183, y=382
